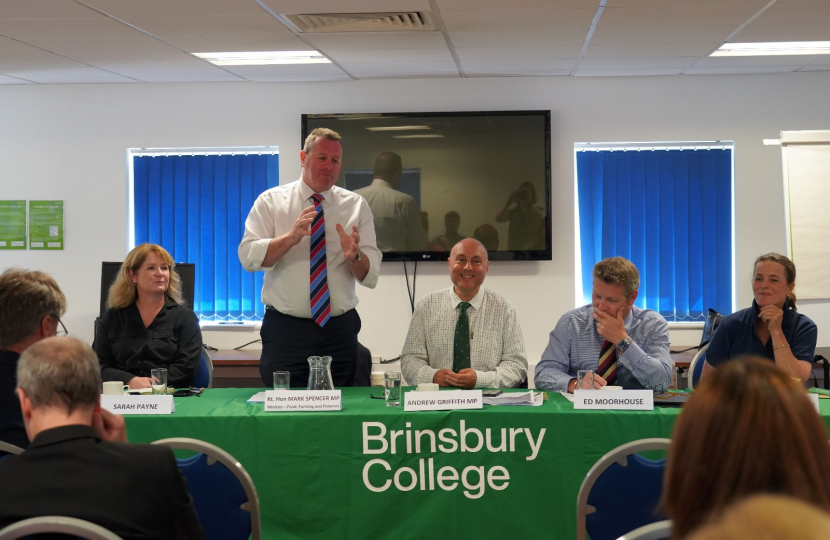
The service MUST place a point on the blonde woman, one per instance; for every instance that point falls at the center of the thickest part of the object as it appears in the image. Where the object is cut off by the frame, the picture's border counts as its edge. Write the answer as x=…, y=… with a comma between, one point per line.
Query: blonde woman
x=147, y=326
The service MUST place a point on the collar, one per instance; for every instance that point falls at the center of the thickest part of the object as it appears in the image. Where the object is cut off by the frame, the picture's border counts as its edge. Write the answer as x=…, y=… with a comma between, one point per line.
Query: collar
x=134, y=313
x=475, y=302
x=61, y=434
x=306, y=192
x=380, y=182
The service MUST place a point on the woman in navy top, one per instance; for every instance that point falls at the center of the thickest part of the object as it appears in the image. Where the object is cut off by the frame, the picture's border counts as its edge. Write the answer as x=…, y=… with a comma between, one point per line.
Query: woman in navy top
x=771, y=328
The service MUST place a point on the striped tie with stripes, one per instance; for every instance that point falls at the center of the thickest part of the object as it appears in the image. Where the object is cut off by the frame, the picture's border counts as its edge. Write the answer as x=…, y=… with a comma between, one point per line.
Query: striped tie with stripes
x=320, y=304
x=608, y=362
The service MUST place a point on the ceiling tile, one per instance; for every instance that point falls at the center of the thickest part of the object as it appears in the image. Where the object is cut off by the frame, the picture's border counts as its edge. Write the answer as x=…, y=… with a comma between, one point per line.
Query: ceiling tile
x=738, y=70
x=126, y=9
x=138, y=51
x=639, y=63
x=386, y=69
x=694, y=3
x=800, y=13
x=627, y=72
x=787, y=32
x=523, y=65
x=721, y=15
x=724, y=61
x=331, y=41
x=520, y=38
x=16, y=54
x=391, y=55
x=305, y=77
x=649, y=50
x=142, y=72
x=517, y=73
x=26, y=29
x=520, y=19
x=291, y=69
x=238, y=43
x=501, y=5
x=76, y=75
x=13, y=80
x=816, y=67
x=508, y=53
x=658, y=34
x=236, y=25
x=35, y=9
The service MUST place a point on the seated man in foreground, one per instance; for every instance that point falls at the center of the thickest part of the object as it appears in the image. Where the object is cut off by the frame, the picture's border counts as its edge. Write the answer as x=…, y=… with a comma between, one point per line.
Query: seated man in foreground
x=31, y=304
x=465, y=336
x=78, y=464
x=623, y=344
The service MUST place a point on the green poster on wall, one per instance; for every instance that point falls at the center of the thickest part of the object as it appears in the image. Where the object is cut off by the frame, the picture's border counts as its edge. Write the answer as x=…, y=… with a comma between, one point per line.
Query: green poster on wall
x=45, y=224
x=12, y=224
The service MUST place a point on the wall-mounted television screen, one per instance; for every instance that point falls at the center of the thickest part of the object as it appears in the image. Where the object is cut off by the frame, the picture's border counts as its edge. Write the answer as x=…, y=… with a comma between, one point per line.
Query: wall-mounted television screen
x=432, y=179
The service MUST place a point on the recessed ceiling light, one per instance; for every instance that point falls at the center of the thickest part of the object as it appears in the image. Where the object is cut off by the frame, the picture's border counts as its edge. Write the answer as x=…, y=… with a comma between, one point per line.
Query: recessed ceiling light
x=263, y=58
x=398, y=128
x=436, y=136
x=773, y=48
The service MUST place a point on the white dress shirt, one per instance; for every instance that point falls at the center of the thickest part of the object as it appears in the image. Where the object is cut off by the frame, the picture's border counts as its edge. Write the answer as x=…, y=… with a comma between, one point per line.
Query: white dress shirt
x=286, y=284
x=397, y=217
x=497, y=348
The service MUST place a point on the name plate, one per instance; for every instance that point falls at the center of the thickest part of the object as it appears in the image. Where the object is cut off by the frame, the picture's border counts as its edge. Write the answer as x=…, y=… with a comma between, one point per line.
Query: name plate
x=633, y=400
x=303, y=400
x=138, y=404
x=443, y=401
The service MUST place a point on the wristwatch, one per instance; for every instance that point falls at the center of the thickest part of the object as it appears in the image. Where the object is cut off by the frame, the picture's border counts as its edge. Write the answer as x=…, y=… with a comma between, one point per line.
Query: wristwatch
x=623, y=344
x=358, y=258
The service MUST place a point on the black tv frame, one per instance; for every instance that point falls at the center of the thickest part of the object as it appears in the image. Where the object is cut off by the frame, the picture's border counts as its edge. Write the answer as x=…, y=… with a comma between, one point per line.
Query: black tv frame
x=501, y=255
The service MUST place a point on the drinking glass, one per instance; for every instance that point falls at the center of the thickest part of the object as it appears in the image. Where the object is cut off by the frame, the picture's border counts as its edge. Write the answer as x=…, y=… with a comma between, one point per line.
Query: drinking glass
x=585, y=379
x=392, y=388
x=281, y=380
x=158, y=378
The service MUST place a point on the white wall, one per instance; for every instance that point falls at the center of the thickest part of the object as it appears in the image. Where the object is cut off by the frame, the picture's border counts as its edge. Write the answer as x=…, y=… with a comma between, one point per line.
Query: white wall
x=68, y=142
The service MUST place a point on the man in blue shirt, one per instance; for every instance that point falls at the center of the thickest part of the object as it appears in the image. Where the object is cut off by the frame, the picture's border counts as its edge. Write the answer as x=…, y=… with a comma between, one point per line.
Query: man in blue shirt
x=627, y=345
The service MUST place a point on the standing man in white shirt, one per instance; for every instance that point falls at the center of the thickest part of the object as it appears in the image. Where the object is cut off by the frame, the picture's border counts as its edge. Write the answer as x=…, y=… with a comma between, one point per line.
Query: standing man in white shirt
x=313, y=240
x=465, y=336
x=397, y=215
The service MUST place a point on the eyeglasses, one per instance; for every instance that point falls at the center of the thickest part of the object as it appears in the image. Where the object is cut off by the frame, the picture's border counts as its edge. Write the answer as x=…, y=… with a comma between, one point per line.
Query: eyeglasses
x=62, y=332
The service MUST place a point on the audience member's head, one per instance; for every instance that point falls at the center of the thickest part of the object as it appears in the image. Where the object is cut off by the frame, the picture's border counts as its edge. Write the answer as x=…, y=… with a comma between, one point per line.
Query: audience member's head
x=31, y=305
x=526, y=194
x=388, y=167
x=767, y=517
x=748, y=429
x=488, y=236
x=124, y=290
x=452, y=221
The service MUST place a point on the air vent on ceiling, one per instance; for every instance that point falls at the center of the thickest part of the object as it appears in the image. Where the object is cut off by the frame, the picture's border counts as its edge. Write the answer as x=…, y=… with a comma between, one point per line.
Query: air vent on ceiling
x=361, y=22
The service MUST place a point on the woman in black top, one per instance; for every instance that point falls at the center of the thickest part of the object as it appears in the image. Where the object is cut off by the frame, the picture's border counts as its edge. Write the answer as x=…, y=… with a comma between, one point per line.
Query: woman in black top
x=147, y=326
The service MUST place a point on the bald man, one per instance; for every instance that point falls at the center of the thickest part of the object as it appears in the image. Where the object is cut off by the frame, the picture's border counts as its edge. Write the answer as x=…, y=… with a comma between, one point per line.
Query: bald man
x=465, y=336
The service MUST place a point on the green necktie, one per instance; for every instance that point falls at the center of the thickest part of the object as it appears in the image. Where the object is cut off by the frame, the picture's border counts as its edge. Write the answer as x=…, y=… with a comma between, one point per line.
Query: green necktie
x=461, y=343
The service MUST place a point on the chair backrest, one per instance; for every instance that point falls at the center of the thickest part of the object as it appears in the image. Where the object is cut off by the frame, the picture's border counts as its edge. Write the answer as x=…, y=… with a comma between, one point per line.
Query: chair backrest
x=713, y=319
x=653, y=531
x=204, y=377
x=57, y=524
x=621, y=491
x=224, y=495
x=696, y=366
x=9, y=448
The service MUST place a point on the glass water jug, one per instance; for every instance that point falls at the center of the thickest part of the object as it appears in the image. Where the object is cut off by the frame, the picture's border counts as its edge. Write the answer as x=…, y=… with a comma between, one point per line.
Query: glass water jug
x=319, y=373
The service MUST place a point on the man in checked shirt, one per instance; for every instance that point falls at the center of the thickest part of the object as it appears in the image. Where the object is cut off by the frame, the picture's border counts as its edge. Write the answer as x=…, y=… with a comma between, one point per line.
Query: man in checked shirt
x=465, y=336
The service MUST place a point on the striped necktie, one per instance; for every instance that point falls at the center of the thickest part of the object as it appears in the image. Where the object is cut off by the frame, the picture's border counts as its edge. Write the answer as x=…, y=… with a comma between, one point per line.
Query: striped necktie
x=320, y=304
x=608, y=362
x=461, y=341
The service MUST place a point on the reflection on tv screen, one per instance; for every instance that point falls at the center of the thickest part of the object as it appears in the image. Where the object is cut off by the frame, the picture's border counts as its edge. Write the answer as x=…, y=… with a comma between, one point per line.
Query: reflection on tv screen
x=433, y=179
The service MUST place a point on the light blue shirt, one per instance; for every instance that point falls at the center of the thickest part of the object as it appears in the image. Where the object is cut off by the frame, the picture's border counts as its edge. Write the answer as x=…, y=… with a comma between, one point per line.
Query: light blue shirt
x=575, y=344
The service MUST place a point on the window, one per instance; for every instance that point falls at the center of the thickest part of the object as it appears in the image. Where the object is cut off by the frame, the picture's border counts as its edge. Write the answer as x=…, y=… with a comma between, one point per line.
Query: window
x=668, y=209
x=194, y=202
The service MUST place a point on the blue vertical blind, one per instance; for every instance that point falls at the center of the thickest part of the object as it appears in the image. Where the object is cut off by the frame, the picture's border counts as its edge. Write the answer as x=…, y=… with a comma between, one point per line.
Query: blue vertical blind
x=195, y=207
x=669, y=211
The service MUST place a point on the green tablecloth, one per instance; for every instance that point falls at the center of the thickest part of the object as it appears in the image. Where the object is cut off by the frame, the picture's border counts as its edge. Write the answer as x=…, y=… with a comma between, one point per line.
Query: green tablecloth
x=309, y=467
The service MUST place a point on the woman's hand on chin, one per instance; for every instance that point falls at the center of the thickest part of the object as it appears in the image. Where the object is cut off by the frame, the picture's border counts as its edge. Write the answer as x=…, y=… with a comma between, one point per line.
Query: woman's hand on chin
x=139, y=382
